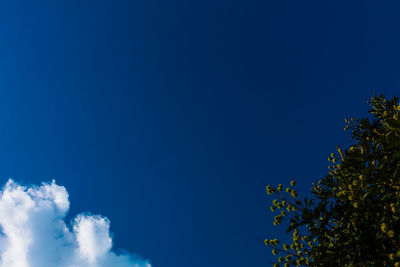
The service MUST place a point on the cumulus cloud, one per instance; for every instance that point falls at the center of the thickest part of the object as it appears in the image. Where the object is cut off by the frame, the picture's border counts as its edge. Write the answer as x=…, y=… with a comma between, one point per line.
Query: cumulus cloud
x=33, y=232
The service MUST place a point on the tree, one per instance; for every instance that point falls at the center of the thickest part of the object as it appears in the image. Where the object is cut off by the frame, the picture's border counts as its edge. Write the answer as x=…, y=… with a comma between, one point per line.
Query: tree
x=353, y=216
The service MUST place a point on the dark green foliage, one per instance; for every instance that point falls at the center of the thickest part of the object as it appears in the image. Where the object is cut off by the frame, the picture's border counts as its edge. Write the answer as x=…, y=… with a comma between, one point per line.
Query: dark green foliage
x=353, y=218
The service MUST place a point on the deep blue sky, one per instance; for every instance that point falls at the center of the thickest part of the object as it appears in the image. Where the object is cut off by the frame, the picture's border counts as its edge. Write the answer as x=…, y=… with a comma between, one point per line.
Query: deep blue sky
x=168, y=117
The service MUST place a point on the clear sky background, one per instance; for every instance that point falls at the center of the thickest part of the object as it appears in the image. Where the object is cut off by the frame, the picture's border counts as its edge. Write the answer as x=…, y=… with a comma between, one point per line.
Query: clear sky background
x=168, y=117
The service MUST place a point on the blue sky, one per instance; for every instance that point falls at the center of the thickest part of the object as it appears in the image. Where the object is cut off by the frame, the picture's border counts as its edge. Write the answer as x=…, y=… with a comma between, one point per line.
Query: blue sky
x=168, y=117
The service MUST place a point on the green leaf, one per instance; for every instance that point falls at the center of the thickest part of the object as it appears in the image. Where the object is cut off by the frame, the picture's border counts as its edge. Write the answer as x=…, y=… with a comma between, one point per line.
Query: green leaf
x=393, y=123
x=387, y=196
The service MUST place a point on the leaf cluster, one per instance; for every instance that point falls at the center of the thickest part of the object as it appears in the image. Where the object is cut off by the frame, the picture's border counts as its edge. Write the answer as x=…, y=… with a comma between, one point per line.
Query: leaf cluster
x=353, y=217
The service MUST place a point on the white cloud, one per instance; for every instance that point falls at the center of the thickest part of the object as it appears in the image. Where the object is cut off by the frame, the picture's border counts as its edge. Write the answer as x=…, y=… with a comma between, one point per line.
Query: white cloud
x=33, y=232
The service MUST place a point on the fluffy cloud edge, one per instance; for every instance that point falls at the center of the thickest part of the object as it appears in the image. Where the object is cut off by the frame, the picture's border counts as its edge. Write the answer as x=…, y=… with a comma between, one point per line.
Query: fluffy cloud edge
x=34, y=232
